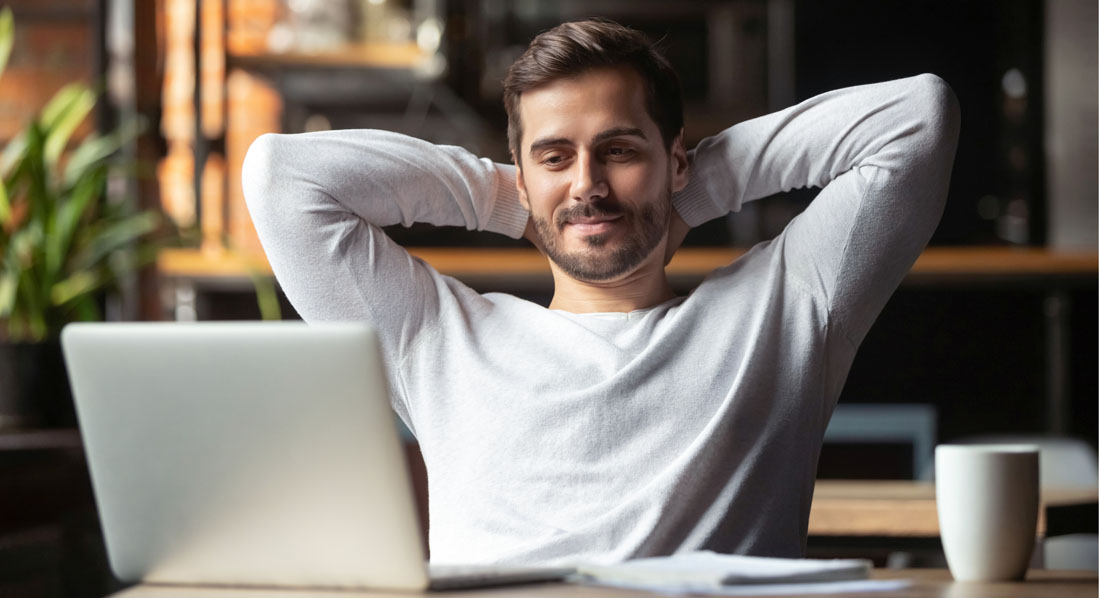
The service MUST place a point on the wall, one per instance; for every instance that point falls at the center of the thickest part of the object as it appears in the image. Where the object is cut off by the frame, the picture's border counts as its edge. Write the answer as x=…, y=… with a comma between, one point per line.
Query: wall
x=55, y=44
x=1071, y=122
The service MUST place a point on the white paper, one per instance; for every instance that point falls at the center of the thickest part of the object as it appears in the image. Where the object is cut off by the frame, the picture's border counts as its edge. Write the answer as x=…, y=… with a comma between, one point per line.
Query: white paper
x=783, y=589
x=709, y=570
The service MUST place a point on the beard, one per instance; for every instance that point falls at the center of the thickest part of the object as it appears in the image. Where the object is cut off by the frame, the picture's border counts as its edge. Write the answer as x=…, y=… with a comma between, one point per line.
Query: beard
x=596, y=262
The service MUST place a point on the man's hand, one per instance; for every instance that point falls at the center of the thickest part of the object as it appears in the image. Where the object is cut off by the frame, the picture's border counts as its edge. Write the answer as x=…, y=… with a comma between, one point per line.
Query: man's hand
x=677, y=230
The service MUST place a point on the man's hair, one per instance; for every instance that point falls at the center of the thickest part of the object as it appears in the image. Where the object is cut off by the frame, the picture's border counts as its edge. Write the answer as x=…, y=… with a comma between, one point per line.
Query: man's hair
x=570, y=49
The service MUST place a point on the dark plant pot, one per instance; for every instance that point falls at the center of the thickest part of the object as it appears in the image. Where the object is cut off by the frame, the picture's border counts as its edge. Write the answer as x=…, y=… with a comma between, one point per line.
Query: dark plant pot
x=34, y=387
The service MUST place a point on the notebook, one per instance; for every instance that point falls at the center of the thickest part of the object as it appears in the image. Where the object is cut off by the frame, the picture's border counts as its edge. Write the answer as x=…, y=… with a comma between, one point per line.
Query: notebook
x=251, y=454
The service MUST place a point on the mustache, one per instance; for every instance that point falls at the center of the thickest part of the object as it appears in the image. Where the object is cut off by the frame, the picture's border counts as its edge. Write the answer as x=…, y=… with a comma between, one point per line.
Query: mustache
x=586, y=210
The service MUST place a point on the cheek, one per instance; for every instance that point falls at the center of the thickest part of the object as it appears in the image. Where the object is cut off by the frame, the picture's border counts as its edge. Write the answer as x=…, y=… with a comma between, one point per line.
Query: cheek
x=637, y=182
x=545, y=194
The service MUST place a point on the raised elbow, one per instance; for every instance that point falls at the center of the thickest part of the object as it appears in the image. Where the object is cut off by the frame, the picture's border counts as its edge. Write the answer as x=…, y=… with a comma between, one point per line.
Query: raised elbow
x=940, y=105
x=263, y=172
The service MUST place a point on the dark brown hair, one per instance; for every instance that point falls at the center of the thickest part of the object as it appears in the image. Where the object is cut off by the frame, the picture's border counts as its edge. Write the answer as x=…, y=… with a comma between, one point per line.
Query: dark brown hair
x=572, y=48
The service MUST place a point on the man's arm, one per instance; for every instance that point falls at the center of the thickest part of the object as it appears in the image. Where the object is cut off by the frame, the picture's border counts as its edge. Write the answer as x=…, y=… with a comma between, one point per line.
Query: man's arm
x=318, y=201
x=883, y=155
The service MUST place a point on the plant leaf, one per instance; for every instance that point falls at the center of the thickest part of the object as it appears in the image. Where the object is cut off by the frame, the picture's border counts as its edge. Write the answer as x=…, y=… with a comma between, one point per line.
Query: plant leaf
x=5, y=205
x=86, y=309
x=266, y=297
x=62, y=115
x=7, y=293
x=7, y=36
x=116, y=235
x=32, y=170
x=13, y=153
x=80, y=283
x=19, y=275
x=61, y=103
x=33, y=315
x=84, y=194
x=96, y=148
x=79, y=286
x=21, y=248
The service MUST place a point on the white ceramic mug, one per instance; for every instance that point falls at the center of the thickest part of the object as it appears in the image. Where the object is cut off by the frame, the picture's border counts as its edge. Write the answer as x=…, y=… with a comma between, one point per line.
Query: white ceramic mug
x=987, y=497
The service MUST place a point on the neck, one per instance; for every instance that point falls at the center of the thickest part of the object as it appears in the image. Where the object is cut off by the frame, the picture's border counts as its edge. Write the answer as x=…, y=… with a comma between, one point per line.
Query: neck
x=644, y=287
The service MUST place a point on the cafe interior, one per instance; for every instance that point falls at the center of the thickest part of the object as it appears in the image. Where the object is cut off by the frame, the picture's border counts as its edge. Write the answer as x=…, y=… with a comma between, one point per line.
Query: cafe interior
x=991, y=337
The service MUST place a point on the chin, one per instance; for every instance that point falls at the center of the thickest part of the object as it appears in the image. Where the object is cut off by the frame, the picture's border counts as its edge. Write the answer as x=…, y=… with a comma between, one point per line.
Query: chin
x=601, y=264
x=605, y=256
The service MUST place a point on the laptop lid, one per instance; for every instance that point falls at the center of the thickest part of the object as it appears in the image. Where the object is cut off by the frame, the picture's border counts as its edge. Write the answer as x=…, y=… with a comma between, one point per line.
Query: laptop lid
x=245, y=454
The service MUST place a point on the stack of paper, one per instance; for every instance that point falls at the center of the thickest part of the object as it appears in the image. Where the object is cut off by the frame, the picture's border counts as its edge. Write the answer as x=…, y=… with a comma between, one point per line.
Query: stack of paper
x=729, y=574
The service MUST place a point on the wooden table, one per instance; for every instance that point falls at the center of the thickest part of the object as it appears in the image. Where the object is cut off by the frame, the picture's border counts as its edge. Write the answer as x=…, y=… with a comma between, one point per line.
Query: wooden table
x=926, y=583
x=898, y=508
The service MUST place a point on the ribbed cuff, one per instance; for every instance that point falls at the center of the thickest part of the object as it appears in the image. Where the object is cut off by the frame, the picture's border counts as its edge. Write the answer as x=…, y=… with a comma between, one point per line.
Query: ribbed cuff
x=509, y=217
x=694, y=204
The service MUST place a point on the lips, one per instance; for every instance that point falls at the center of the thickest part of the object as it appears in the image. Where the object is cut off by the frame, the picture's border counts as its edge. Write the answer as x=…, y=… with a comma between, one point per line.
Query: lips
x=590, y=225
x=593, y=219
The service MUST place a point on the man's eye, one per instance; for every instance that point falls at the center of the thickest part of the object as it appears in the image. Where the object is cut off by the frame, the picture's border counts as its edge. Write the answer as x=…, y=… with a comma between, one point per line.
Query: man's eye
x=619, y=151
x=553, y=160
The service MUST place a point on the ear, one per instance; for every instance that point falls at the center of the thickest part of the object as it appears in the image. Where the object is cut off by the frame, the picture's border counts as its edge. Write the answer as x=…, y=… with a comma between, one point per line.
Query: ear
x=678, y=162
x=521, y=186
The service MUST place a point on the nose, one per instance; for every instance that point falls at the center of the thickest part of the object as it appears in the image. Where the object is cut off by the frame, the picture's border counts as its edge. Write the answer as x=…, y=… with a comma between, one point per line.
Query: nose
x=589, y=179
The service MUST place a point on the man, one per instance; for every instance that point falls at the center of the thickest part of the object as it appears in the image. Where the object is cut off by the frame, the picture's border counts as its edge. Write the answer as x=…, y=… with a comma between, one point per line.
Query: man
x=623, y=421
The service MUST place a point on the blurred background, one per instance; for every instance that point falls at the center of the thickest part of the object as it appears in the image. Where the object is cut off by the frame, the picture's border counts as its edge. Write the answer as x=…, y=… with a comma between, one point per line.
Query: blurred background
x=993, y=334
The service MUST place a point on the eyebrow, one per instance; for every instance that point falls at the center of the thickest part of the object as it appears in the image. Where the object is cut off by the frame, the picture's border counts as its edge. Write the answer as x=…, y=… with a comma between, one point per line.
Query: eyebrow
x=601, y=136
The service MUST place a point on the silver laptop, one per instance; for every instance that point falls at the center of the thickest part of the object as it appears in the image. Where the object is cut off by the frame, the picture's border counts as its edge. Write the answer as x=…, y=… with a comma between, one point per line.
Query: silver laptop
x=255, y=454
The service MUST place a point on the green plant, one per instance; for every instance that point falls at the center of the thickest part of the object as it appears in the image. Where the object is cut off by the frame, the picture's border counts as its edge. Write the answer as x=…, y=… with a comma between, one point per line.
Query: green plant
x=62, y=242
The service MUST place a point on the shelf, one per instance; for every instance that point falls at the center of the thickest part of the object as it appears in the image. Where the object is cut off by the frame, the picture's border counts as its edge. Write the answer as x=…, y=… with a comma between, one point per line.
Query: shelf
x=43, y=439
x=1004, y=260
x=502, y=264
x=359, y=55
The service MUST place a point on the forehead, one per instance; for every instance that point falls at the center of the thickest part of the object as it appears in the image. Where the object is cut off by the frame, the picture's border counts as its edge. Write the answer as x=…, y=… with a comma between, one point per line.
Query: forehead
x=578, y=107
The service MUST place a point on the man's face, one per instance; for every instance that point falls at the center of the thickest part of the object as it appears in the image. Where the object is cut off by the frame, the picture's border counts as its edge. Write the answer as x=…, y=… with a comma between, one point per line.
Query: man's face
x=595, y=173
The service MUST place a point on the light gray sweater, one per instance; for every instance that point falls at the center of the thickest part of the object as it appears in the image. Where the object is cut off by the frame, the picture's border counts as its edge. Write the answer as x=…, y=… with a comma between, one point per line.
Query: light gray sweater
x=553, y=437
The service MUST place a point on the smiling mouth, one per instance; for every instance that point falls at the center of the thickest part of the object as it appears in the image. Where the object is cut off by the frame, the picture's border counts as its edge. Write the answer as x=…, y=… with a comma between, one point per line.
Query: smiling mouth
x=593, y=225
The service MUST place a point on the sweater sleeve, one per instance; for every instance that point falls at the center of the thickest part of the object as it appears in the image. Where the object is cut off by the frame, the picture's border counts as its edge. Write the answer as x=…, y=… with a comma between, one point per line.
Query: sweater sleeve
x=882, y=155
x=318, y=201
